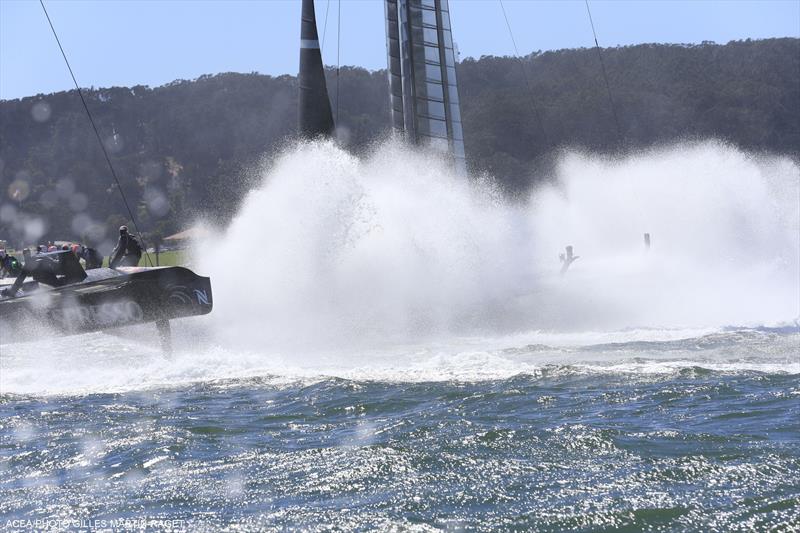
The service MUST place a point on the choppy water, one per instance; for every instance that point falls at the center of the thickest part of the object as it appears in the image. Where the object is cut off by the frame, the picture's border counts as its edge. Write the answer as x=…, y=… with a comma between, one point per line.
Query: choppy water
x=400, y=353
x=661, y=433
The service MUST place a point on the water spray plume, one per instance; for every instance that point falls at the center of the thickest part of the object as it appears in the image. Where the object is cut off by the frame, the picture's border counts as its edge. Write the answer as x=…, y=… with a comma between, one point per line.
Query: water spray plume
x=396, y=246
x=392, y=267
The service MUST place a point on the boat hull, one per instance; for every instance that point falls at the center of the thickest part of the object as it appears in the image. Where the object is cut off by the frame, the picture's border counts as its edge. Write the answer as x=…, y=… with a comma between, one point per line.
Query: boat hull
x=106, y=299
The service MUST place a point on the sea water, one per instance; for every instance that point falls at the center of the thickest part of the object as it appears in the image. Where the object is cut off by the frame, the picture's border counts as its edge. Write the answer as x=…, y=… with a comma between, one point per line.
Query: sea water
x=393, y=347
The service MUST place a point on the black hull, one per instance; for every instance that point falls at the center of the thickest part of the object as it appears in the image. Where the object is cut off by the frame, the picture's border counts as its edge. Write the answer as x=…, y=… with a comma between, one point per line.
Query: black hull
x=106, y=299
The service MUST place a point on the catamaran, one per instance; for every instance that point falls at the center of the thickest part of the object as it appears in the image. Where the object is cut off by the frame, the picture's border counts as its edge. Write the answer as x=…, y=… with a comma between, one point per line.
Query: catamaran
x=55, y=290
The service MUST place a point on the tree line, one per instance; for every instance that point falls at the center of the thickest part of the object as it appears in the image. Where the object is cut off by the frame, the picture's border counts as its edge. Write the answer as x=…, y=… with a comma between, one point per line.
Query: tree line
x=182, y=150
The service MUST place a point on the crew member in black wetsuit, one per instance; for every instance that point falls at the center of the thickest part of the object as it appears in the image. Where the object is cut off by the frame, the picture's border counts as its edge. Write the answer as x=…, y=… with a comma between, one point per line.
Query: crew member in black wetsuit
x=91, y=257
x=9, y=266
x=128, y=250
x=54, y=269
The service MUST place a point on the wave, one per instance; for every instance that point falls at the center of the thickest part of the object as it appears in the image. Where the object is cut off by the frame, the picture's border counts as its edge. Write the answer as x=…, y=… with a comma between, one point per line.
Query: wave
x=392, y=267
x=101, y=363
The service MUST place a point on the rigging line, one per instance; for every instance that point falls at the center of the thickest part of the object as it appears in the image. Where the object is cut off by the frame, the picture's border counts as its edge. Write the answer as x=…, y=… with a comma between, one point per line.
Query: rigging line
x=338, y=39
x=527, y=81
x=325, y=25
x=605, y=75
x=96, y=132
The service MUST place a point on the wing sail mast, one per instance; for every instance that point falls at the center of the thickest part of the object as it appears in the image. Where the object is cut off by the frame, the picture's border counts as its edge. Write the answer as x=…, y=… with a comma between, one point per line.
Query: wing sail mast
x=422, y=75
x=314, y=117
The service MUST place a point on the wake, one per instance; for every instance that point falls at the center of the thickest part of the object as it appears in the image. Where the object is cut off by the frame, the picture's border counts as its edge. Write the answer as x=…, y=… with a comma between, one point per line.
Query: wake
x=392, y=267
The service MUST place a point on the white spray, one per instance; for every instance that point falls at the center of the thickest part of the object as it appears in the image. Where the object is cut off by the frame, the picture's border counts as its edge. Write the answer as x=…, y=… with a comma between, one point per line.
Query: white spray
x=337, y=249
x=392, y=267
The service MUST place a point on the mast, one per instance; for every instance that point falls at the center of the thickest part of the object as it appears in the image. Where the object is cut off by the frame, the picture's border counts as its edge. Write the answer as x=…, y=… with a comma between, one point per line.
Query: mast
x=314, y=117
x=422, y=75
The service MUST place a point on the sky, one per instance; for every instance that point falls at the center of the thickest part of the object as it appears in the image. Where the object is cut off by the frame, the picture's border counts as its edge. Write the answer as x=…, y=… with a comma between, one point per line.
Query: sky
x=125, y=43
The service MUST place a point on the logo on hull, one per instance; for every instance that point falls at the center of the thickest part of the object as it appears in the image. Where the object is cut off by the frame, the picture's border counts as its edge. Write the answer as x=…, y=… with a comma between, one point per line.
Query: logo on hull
x=202, y=297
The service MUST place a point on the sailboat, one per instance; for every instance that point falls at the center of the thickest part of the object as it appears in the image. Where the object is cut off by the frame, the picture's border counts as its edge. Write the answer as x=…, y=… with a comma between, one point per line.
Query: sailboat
x=56, y=291
x=53, y=289
x=423, y=89
x=423, y=86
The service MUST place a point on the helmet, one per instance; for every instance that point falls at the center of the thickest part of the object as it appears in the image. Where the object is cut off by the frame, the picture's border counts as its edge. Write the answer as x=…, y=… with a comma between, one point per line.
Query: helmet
x=123, y=230
x=65, y=246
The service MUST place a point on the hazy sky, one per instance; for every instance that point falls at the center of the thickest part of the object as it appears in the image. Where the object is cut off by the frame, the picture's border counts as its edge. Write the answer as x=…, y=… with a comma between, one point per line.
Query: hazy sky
x=154, y=42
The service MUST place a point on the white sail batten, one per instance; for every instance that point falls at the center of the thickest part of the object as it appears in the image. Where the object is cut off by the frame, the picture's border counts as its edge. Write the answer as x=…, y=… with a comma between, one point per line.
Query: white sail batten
x=422, y=75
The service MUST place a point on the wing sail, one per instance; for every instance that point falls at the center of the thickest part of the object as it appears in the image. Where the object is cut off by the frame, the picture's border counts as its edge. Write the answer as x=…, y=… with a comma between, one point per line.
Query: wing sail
x=422, y=75
x=314, y=116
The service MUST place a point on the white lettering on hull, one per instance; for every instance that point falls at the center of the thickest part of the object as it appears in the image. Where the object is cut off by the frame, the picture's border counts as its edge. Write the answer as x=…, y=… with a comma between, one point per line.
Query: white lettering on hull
x=202, y=297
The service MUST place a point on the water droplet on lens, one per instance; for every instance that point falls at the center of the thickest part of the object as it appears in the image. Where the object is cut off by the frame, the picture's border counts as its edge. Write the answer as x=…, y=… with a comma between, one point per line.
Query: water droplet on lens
x=114, y=143
x=41, y=111
x=8, y=212
x=78, y=202
x=19, y=190
x=151, y=170
x=48, y=199
x=157, y=203
x=95, y=232
x=65, y=187
x=80, y=223
x=34, y=228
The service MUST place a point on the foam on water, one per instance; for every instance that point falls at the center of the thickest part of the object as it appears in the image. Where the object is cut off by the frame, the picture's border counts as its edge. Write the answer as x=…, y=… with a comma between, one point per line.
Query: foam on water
x=390, y=266
x=106, y=363
x=346, y=250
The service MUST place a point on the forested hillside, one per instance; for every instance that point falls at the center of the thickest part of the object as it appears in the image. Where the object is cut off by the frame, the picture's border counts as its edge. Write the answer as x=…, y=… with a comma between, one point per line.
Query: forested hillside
x=180, y=149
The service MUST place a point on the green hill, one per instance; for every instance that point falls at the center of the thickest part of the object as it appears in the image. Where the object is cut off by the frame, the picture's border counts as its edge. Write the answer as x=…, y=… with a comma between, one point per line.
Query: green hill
x=180, y=149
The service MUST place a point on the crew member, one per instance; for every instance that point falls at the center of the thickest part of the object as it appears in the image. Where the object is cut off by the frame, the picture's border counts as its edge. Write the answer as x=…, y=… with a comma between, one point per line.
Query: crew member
x=9, y=266
x=56, y=270
x=128, y=250
x=567, y=259
x=91, y=257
